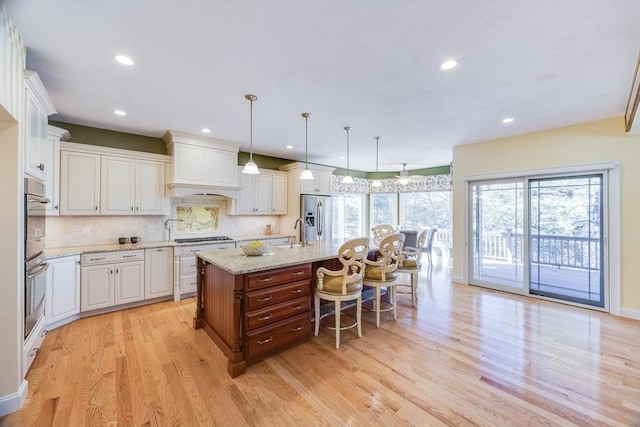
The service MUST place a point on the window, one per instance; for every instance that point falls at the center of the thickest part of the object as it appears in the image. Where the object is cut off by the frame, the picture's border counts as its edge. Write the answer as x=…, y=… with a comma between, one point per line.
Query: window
x=348, y=215
x=425, y=209
x=384, y=208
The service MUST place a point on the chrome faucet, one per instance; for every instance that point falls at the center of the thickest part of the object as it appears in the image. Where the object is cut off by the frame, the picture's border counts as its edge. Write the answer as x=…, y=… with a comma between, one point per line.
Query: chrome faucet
x=166, y=225
x=302, y=236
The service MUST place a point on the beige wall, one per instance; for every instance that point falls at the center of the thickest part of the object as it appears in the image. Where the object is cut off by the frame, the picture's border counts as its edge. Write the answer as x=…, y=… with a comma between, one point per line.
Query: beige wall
x=595, y=142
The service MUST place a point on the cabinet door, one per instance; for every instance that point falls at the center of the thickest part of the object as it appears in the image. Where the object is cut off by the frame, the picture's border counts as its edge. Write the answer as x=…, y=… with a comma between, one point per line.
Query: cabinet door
x=308, y=186
x=63, y=288
x=262, y=194
x=79, y=183
x=150, y=185
x=323, y=182
x=221, y=169
x=50, y=156
x=35, y=134
x=129, y=282
x=279, y=195
x=96, y=287
x=190, y=164
x=158, y=277
x=117, y=186
x=246, y=203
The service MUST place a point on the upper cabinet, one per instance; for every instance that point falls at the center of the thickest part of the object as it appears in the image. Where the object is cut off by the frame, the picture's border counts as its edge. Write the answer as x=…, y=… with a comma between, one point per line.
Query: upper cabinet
x=262, y=194
x=201, y=163
x=104, y=181
x=38, y=108
x=50, y=155
x=319, y=185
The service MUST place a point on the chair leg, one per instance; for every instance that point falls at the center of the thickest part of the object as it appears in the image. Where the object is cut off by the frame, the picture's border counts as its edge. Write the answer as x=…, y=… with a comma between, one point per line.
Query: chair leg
x=414, y=288
x=337, y=316
x=359, y=316
x=394, y=295
x=378, y=306
x=317, y=309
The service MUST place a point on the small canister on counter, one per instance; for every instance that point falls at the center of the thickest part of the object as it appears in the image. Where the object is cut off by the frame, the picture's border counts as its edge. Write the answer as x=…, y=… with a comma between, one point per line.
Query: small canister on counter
x=268, y=231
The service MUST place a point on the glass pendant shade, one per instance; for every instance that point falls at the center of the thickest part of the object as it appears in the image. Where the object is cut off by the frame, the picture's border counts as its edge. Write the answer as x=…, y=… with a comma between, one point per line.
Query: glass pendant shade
x=347, y=179
x=250, y=167
x=376, y=183
x=306, y=173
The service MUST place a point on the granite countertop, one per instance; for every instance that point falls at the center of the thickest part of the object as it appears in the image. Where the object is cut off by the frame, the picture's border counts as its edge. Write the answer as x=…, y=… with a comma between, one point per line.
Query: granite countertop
x=236, y=262
x=79, y=250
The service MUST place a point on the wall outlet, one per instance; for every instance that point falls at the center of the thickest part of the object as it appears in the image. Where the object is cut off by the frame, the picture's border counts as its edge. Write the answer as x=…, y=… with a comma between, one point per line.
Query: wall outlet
x=86, y=231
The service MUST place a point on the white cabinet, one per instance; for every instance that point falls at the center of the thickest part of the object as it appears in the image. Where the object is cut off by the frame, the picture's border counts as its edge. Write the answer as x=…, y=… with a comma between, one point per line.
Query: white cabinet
x=63, y=289
x=79, y=183
x=50, y=155
x=158, y=276
x=38, y=107
x=201, y=161
x=262, y=194
x=188, y=263
x=111, y=278
x=132, y=187
x=107, y=181
x=319, y=185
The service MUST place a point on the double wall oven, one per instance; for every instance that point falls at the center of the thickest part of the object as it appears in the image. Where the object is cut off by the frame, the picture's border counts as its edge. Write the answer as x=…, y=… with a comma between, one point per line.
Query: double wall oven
x=35, y=266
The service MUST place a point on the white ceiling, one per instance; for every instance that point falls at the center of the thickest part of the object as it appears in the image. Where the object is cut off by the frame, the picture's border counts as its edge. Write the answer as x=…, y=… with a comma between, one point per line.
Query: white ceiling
x=373, y=65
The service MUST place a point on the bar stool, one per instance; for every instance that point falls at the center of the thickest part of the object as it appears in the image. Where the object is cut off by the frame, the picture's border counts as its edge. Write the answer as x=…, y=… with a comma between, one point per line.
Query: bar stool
x=344, y=284
x=382, y=273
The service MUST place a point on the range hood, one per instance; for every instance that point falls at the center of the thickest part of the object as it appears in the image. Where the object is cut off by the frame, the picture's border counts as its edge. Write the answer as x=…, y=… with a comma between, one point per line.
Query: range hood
x=202, y=165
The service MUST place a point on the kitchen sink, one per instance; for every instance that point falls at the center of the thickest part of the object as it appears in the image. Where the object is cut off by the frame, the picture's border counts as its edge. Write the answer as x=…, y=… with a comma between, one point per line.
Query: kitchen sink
x=288, y=246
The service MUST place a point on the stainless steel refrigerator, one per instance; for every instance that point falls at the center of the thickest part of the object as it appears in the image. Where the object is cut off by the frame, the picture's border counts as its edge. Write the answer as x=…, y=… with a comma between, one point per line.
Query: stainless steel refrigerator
x=316, y=214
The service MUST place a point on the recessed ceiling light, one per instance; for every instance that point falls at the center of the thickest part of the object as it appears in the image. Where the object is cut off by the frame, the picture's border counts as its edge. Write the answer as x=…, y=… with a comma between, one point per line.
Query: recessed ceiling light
x=289, y=147
x=124, y=60
x=119, y=113
x=507, y=120
x=447, y=65
x=206, y=130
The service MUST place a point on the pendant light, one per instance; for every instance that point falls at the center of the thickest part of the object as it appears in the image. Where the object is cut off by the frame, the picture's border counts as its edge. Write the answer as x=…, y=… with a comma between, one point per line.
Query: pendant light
x=250, y=167
x=376, y=182
x=306, y=173
x=347, y=178
x=404, y=177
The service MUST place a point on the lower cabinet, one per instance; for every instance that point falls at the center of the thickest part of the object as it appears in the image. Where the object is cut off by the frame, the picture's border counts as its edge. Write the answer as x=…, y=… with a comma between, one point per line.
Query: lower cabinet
x=111, y=278
x=158, y=272
x=62, y=298
x=188, y=264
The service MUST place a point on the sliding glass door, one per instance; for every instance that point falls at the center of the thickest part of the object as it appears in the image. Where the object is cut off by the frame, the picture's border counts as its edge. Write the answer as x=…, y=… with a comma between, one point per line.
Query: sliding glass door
x=540, y=236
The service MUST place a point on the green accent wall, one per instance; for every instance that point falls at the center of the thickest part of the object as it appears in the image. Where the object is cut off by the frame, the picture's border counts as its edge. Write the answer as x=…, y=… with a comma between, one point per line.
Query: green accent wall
x=147, y=144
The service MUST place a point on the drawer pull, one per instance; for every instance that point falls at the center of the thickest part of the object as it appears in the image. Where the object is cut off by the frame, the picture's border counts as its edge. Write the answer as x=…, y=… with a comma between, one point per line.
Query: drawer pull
x=299, y=328
x=298, y=273
x=265, y=317
x=97, y=259
x=129, y=256
x=269, y=298
x=193, y=265
x=264, y=341
x=268, y=279
x=296, y=291
x=296, y=308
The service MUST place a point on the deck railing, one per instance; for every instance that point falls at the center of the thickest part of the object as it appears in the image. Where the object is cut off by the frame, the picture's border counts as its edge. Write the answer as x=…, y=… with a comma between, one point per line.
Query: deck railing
x=557, y=251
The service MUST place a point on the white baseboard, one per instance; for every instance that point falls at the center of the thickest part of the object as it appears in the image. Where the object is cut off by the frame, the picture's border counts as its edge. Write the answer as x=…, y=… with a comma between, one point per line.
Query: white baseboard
x=631, y=313
x=13, y=402
x=456, y=279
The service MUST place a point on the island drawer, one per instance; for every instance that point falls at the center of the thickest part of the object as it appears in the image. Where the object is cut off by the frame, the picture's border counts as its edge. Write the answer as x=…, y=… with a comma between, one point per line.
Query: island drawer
x=262, y=340
x=273, y=313
x=276, y=294
x=277, y=276
x=112, y=257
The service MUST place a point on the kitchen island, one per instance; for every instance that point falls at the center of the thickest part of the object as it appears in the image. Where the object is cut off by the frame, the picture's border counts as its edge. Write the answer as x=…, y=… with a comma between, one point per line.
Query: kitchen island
x=255, y=306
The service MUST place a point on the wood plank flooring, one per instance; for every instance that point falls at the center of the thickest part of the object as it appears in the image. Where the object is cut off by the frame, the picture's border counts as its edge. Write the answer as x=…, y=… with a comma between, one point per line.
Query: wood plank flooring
x=464, y=356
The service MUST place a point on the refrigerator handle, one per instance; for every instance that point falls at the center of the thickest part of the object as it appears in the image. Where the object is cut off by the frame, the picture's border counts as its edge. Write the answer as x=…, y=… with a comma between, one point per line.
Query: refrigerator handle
x=320, y=219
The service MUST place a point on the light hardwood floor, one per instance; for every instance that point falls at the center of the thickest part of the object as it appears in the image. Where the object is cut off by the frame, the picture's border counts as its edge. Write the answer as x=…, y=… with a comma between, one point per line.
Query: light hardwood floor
x=464, y=356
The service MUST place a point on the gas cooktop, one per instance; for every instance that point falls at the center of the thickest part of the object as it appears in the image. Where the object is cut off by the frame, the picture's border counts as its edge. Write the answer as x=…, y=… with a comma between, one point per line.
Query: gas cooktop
x=203, y=239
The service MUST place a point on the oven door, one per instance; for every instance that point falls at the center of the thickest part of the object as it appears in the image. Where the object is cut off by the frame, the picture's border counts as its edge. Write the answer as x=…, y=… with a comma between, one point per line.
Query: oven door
x=35, y=284
x=35, y=225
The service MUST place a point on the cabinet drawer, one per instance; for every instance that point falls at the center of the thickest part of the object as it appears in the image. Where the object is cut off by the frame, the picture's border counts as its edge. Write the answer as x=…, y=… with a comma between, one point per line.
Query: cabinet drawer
x=273, y=313
x=262, y=340
x=188, y=283
x=188, y=250
x=188, y=264
x=277, y=276
x=112, y=257
x=276, y=294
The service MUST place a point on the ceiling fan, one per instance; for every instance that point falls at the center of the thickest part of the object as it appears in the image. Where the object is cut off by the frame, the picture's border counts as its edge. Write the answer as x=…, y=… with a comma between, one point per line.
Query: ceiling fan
x=404, y=178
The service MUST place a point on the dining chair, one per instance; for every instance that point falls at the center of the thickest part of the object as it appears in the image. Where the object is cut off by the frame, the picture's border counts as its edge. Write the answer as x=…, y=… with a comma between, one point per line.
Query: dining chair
x=429, y=245
x=382, y=273
x=411, y=263
x=343, y=285
x=382, y=230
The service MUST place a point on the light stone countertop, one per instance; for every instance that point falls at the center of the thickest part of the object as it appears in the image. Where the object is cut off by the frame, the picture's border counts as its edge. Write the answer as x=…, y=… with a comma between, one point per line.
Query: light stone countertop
x=236, y=262
x=79, y=250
